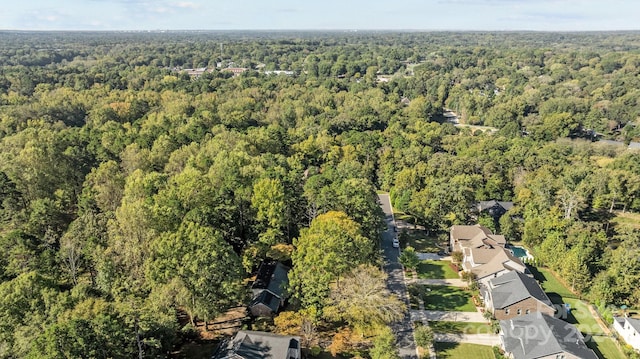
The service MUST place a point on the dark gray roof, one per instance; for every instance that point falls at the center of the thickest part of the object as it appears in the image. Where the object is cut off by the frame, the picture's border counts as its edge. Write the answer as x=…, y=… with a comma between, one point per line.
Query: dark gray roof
x=267, y=299
x=514, y=287
x=483, y=205
x=537, y=335
x=272, y=276
x=258, y=345
x=635, y=323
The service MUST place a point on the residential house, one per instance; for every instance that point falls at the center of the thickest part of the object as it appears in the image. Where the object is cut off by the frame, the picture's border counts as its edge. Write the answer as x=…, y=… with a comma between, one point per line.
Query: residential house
x=514, y=294
x=491, y=262
x=629, y=330
x=494, y=208
x=280, y=72
x=537, y=336
x=269, y=289
x=196, y=73
x=472, y=236
x=237, y=71
x=258, y=345
x=484, y=253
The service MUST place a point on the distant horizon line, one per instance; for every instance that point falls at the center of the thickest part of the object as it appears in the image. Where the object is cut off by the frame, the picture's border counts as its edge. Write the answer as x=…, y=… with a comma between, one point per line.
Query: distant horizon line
x=323, y=30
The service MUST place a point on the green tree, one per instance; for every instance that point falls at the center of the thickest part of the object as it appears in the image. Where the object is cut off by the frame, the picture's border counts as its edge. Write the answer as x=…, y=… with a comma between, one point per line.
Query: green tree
x=423, y=335
x=330, y=247
x=269, y=201
x=409, y=258
x=486, y=220
x=28, y=302
x=510, y=228
x=201, y=266
x=384, y=346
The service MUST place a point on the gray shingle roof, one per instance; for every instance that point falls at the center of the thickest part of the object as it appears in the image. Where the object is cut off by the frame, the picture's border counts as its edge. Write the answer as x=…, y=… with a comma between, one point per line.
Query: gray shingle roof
x=484, y=205
x=537, y=335
x=272, y=276
x=635, y=323
x=515, y=287
x=258, y=345
x=267, y=299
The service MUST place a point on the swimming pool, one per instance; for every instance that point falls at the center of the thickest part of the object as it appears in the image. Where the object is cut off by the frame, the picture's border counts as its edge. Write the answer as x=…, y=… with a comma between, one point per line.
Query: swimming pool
x=519, y=252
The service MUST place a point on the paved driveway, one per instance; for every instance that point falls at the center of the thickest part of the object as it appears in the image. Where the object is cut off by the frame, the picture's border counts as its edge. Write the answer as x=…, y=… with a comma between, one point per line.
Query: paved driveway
x=451, y=282
x=436, y=315
x=429, y=256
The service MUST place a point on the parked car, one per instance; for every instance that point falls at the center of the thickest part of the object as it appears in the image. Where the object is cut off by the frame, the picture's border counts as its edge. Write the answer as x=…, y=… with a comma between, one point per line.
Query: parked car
x=396, y=243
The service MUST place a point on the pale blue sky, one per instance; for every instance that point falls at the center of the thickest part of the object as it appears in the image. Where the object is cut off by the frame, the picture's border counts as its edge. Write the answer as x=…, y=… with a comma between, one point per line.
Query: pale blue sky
x=562, y=15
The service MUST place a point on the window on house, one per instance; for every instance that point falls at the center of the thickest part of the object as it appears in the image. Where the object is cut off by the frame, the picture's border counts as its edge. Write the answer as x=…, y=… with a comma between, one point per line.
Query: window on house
x=519, y=311
x=527, y=311
x=506, y=311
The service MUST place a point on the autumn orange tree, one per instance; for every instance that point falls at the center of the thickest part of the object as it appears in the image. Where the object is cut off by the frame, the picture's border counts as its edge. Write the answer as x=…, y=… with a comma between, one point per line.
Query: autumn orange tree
x=362, y=299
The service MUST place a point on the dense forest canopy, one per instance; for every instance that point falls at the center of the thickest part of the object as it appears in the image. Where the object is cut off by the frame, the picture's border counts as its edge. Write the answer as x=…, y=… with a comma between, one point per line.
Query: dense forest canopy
x=132, y=190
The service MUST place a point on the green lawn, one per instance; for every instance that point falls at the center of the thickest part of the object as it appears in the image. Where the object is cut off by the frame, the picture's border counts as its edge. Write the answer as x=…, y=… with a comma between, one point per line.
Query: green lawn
x=605, y=347
x=436, y=270
x=579, y=315
x=441, y=297
x=419, y=240
x=463, y=351
x=559, y=294
x=461, y=327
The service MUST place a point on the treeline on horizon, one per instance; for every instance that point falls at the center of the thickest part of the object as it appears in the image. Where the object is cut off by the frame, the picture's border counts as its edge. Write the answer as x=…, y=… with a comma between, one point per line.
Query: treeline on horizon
x=131, y=191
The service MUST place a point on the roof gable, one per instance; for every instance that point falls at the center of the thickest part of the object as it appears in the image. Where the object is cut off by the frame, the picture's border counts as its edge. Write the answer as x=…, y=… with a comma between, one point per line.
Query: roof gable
x=515, y=287
x=272, y=276
x=467, y=232
x=258, y=345
x=536, y=335
x=483, y=205
x=267, y=299
x=634, y=323
x=495, y=260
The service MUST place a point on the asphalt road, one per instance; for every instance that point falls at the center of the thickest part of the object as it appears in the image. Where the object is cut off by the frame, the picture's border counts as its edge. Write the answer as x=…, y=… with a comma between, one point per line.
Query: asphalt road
x=403, y=329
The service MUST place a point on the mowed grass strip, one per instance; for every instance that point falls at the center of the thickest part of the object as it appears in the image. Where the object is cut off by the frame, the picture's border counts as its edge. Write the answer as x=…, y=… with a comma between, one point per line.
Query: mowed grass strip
x=604, y=347
x=429, y=269
x=461, y=327
x=463, y=351
x=442, y=298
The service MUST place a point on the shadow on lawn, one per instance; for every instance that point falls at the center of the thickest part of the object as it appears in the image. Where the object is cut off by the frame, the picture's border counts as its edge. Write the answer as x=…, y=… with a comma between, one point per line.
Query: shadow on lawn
x=444, y=298
x=556, y=299
x=443, y=349
x=430, y=270
x=591, y=344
